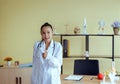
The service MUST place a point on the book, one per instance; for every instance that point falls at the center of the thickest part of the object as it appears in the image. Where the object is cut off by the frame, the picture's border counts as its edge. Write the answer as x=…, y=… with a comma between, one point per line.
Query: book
x=74, y=77
x=65, y=48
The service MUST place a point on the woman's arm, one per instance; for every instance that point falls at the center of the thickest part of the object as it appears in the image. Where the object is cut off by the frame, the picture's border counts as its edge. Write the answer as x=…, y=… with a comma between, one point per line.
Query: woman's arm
x=56, y=59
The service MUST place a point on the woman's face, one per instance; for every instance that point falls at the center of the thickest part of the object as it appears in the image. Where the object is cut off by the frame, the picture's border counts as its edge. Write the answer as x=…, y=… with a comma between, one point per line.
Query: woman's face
x=46, y=33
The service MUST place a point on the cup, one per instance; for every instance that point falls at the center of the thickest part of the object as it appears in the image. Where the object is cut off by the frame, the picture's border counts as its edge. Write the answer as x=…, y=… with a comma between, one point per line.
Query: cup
x=16, y=63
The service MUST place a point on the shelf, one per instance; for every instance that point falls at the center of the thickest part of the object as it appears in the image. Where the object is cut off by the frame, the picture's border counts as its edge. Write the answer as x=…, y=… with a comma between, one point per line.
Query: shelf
x=87, y=45
x=91, y=57
x=85, y=35
x=87, y=39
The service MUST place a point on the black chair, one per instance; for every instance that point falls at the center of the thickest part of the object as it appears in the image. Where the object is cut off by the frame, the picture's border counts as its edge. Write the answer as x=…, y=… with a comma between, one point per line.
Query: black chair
x=86, y=67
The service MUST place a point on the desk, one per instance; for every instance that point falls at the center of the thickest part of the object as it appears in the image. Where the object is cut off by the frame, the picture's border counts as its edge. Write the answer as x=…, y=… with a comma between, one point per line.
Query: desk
x=85, y=80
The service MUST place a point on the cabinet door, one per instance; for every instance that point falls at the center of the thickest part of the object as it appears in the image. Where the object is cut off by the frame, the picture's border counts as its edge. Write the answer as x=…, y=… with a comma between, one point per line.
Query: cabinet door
x=13, y=76
x=26, y=75
x=4, y=78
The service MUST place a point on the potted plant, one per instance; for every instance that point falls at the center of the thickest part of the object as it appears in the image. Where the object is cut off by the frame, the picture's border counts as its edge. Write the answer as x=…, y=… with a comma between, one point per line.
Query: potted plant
x=116, y=26
x=8, y=60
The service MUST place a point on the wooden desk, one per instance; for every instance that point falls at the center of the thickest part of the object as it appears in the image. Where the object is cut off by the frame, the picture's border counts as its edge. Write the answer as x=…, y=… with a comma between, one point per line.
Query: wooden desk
x=85, y=80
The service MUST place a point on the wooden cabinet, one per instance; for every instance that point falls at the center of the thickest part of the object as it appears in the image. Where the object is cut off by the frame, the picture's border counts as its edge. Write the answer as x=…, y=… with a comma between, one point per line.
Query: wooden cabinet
x=15, y=75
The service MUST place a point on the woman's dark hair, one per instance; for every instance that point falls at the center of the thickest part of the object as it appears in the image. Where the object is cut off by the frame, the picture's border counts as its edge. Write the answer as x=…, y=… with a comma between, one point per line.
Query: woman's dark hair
x=46, y=24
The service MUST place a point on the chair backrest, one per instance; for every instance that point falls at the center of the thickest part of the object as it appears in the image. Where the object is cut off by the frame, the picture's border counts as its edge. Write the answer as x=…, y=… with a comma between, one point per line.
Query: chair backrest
x=86, y=67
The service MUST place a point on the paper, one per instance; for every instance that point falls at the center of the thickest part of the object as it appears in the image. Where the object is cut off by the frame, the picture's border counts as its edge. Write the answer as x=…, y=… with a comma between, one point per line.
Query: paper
x=106, y=83
x=74, y=77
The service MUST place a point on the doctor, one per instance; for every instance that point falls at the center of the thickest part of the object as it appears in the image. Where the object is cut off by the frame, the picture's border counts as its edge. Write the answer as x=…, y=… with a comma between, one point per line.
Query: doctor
x=47, y=58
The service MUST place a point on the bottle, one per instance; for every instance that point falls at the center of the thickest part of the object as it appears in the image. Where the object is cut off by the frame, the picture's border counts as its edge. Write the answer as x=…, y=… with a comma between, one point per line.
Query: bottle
x=86, y=55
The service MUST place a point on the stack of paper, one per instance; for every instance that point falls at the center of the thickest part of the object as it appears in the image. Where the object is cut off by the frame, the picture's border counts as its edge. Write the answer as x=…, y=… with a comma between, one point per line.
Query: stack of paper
x=74, y=77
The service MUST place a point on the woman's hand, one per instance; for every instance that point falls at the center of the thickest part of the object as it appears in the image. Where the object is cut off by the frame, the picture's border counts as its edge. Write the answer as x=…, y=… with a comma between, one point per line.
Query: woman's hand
x=45, y=54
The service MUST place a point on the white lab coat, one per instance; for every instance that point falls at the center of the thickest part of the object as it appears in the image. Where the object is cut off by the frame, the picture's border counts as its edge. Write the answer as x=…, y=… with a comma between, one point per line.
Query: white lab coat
x=47, y=71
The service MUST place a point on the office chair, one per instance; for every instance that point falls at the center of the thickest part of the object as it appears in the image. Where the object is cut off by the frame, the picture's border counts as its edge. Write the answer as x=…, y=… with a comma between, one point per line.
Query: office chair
x=86, y=67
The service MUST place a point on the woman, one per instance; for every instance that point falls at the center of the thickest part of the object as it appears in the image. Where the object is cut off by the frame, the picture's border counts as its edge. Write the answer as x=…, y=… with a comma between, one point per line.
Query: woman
x=47, y=58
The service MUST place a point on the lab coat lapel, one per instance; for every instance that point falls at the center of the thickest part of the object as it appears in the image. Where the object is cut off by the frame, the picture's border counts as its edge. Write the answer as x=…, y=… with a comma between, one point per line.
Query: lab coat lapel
x=42, y=50
x=50, y=48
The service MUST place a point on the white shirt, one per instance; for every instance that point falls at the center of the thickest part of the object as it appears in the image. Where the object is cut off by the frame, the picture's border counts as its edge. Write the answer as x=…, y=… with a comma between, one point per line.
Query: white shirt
x=47, y=71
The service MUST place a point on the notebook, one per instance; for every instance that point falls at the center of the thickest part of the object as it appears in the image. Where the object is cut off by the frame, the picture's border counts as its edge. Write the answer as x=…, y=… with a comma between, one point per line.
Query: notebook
x=74, y=77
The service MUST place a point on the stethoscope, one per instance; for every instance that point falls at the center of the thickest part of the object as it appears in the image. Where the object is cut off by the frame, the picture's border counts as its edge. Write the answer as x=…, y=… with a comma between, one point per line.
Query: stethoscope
x=39, y=45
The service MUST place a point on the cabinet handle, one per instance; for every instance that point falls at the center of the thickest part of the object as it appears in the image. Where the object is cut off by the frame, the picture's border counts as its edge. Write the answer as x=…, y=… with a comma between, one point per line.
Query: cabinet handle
x=20, y=80
x=16, y=80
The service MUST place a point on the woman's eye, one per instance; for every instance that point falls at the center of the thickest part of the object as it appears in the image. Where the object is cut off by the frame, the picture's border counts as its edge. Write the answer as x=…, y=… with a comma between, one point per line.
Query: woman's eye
x=48, y=32
x=43, y=33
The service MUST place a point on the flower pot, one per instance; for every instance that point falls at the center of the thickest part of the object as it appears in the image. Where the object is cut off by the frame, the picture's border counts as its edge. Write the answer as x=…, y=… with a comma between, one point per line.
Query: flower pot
x=9, y=63
x=116, y=30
